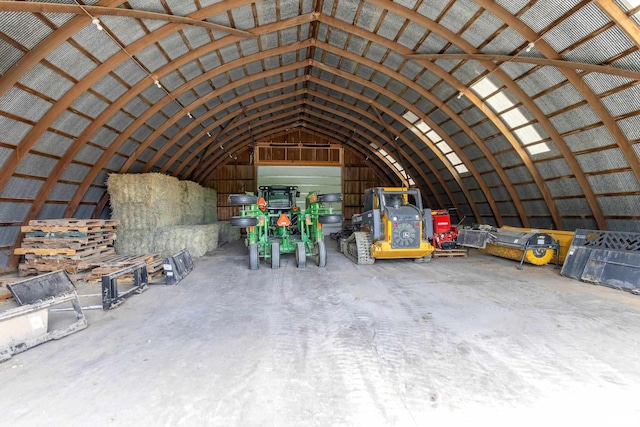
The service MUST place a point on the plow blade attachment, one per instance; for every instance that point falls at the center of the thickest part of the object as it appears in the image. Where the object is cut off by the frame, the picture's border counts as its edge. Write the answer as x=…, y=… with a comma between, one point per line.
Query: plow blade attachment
x=608, y=258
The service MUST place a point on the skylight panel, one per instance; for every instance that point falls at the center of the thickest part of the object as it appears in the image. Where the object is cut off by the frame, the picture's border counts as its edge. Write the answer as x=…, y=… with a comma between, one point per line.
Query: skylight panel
x=453, y=158
x=461, y=168
x=538, y=148
x=433, y=136
x=514, y=118
x=410, y=117
x=424, y=128
x=499, y=102
x=484, y=87
x=444, y=147
x=527, y=135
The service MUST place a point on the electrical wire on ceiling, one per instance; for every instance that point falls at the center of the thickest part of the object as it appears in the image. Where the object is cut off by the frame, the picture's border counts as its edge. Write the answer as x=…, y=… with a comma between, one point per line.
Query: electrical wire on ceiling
x=100, y=26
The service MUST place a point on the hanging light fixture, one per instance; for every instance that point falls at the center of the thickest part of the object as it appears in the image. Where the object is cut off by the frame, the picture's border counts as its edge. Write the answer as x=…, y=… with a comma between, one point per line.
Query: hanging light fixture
x=95, y=21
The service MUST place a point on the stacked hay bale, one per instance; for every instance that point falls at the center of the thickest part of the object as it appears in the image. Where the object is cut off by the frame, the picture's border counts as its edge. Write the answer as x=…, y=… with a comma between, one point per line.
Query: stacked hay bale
x=192, y=203
x=143, y=203
x=210, y=206
x=161, y=214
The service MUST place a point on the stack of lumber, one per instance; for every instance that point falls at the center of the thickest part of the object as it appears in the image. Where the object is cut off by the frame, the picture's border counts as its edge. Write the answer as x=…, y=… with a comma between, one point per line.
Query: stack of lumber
x=69, y=244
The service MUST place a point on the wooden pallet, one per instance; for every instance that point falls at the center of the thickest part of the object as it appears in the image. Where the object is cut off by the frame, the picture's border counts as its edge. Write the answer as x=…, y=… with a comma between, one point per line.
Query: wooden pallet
x=450, y=253
x=70, y=243
x=73, y=222
x=108, y=265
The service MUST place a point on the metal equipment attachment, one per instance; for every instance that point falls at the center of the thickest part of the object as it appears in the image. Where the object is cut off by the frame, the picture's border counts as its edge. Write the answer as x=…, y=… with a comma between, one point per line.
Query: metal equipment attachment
x=529, y=246
x=35, y=322
x=609, y=258
x=177, y=266
x=111, y=295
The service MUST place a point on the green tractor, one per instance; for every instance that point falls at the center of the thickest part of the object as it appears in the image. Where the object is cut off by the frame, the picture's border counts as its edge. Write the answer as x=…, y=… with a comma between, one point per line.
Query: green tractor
x=275, y=225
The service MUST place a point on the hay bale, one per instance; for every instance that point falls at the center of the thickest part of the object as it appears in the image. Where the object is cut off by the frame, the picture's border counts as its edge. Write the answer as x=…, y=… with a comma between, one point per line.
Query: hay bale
x=210, y=205
x=145, y=201
x=134, y=242
x=228, y=233
x=197, y=239
x=193, y=196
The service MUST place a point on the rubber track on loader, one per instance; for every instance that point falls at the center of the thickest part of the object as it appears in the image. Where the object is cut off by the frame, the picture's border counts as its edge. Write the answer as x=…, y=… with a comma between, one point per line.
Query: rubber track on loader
x=357, y=248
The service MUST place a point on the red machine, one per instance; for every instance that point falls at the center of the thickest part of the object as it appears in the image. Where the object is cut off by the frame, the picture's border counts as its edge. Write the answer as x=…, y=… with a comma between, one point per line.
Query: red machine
x=444, y=235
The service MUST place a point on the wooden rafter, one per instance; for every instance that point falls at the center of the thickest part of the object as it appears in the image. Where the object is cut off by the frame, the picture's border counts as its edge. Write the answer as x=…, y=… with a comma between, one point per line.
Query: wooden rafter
x=97, y=11
x=558, y=63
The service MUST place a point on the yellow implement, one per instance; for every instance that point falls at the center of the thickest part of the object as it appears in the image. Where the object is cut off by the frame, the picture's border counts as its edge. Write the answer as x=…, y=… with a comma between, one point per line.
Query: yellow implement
x=564, y=238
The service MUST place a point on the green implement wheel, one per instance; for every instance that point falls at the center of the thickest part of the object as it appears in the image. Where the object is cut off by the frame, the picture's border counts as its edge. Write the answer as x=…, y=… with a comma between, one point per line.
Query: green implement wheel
x=301, y=255
x=320, y=253
x=254, y=258
x=275, y=255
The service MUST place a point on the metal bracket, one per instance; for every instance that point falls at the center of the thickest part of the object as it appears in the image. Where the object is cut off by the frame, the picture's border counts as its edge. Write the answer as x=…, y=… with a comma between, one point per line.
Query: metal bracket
x=27, y=326
x=177, y=266
x=111, y=296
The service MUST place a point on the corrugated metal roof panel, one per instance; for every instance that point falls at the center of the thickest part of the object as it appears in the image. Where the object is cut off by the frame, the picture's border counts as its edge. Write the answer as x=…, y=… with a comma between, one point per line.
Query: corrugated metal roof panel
x=602, y=160
x=62, y=191
x=565, y=187
x=576, y=118
x=540, y=80
x=599, y=49
x=624, y=102
x=542, y=14
x=589, y=139
x=23, y=104
x=13, y=24
x=616, y=182
x=75, y=173
x=21, y=188
x=109, y=87
x=535, y=208
x=52, y=211
x=553, y=168
x=559, y=99
x=620, y=205
x=36, y=165
x=13, y=211
x=573, y=207
x=482, y=29
x=52, y=143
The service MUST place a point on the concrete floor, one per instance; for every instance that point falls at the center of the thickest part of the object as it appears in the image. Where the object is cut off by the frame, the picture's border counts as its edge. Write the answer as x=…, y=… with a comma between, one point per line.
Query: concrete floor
x=455, y=341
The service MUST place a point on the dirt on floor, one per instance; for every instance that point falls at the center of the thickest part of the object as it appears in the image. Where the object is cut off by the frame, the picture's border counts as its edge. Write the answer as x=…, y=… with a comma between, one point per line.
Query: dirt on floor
x=454, y=341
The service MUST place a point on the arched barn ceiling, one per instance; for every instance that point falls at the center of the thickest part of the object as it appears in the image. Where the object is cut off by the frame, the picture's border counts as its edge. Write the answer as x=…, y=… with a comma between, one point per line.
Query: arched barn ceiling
x=517, y=112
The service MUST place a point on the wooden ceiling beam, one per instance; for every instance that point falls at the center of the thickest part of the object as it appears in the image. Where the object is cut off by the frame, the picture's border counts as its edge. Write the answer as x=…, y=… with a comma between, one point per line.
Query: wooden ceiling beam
x=558, y=63
x=97, y=11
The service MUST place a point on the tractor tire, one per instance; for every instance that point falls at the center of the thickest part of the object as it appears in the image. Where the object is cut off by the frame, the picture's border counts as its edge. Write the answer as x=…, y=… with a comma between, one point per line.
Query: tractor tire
x=301, y=255
x=330, y=218
x=329, y=197
x=320, y=253
x=254, y=257
x=243, y=221
x=275, y=255
x=242, y=199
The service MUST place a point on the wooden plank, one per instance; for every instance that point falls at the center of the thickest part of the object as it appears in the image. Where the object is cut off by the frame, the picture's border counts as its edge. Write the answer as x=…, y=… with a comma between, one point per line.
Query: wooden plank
x=39, y=251
x=5, y=294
